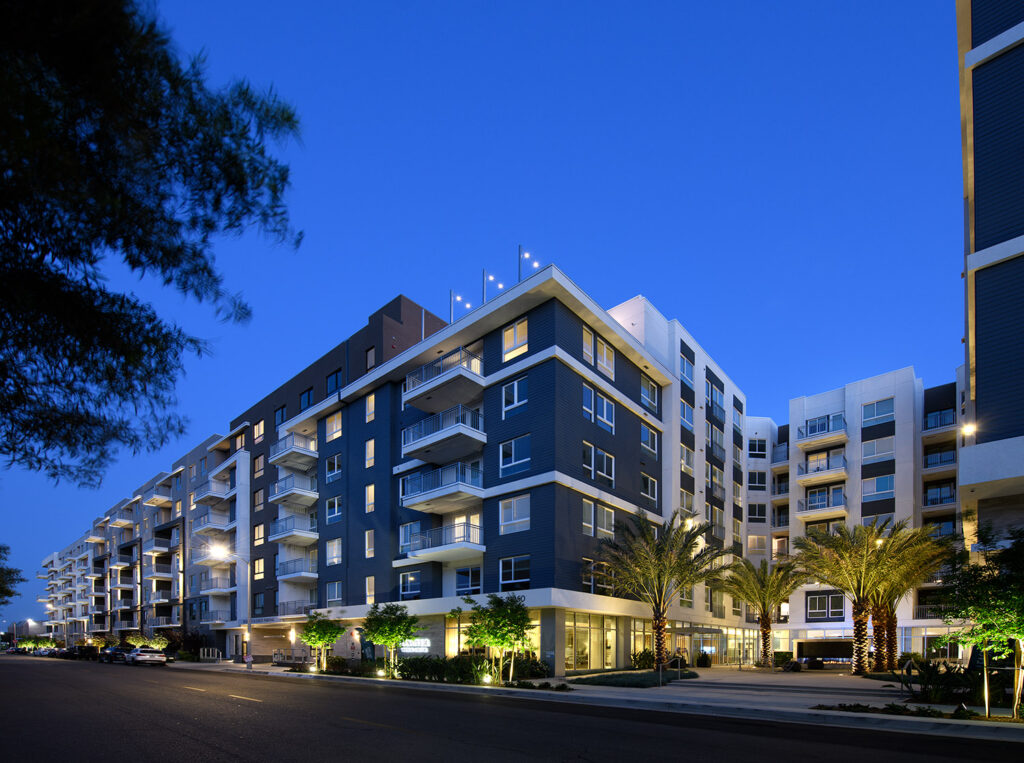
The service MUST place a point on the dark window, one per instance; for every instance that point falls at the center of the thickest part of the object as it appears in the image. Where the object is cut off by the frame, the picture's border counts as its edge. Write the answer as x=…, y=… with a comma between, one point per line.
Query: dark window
x=515, y=573
x=334, y=381
x=467, y=581
x=824, y=605
x=306, y=399
x=257, y=605
x=371, y=358
x=280, y=415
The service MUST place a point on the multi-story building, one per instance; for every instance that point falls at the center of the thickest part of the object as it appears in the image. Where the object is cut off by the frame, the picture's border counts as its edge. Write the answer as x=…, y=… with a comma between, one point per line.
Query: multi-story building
x=991, y=470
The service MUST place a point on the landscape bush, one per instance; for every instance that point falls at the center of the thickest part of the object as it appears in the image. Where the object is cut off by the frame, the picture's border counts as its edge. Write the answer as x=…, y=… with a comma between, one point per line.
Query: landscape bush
x=642, y=660
x=781, y=658
x=703, y=660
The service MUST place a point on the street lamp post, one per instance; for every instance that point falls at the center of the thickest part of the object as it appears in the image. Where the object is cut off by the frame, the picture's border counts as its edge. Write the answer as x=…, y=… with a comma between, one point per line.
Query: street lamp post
x=221, y=552
x=519, y=263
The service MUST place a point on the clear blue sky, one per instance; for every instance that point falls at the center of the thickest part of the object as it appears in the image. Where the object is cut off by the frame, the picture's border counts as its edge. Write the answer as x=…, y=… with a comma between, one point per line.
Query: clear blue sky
x=784, y=178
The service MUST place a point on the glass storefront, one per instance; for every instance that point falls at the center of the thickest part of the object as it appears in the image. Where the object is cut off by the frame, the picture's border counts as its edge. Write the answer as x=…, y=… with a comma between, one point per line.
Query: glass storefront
x=455, y=635
x=589, y=641
x=726, y=646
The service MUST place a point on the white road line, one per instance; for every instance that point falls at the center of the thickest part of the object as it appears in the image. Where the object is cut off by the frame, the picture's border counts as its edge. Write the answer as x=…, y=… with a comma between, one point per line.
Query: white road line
x=250, y=699
x=192, y=688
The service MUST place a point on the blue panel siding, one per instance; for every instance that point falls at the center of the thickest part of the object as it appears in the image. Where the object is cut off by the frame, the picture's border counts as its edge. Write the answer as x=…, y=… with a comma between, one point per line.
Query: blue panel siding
x=541, y=335
x=992, y=17
x=534, y=419
x=999, y=350
x=999, y=149
x=538, y=542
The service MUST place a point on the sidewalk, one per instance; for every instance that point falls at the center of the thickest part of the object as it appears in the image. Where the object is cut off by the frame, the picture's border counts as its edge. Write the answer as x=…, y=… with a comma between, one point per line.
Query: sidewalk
x=718, y=692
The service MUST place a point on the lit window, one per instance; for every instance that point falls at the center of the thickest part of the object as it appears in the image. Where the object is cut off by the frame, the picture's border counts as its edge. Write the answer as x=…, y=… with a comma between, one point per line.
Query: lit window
x=605, y=522
x=757, y=544
x=648, y=393
x=257, y=535
x=333, y=510
x=513, y=396
x=409, y=585
x=257, y=499
x=514, y=515
x=334, y=551
x=257, y=432
x=369, y=453
x=605, y=359
x=588, y=517
x=257, y=466
x=368, y=497
x=368, y=543
x=371, y=407
x=240, y=441
x=514, y=340
x=686, y=460
x=514, y=573
x=332, y=427
x=258, y=569
x=648, y=487
x=177, y=508
x=406, y=536
x=686, y=414
x=370, y=589
x=588, y=345
x=649, y=439
x=515, y=455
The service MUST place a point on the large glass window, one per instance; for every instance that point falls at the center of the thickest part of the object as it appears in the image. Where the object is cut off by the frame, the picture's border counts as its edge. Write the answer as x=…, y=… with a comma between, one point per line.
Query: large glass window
x=333, y=510
x=368, y=544
x=370, y=497
x=406, y=534
x=588, y=517
x=334, y=551
x=467, y=581
x=514, y=515
x=881, y=449
x=306, y=399
x=649, y=439
x=514, y=573
x=333, y=426
x=878, y=412
x=876, y=488
x=685, y=460
x=605, y=358
x=257, y=432
x=370, y=588
x=513, y=397
x=333, y=468
x=757, y=480
x=686, y=414
x=515, y=456
x=371, y=407
x=757, y=448
x=686, y=371
x=333, y=381
x=824, y=605
x=590, y=641
x=648, y=393
x=370, y=453
x=258, y=568
x=588, y=402
x=648, y=487
x=605, y=522
x=514, y=340
x=334, y=593
x=588, y=345
x=409, y=585
x=280, y=416
x=604, y=410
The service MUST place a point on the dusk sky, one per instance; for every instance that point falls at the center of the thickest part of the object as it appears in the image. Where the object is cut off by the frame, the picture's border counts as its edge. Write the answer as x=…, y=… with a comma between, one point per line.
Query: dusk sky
x=760, y=171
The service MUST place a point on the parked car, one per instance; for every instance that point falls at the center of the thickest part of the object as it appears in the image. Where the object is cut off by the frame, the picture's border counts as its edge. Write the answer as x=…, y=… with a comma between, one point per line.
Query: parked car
x=84, y=652
x=113, y=654
x=145, y=655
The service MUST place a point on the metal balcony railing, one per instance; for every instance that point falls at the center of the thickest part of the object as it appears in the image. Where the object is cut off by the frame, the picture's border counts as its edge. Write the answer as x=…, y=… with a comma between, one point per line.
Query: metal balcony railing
x=295, y=607
x=459, y=415
x=927, y=612
x=834, y=422
x=163, y=622
x=306, y=524
x=295, y=565
x=939, y=419
x=293, y=441
x=716, y=490
x=939, y=497
x=780, y=520
x=157, y=544
x=780, y=488
x=213, y=584
x=833, y=502
x=210, y=519
x=215, y=616
x=160, y=569
x=941, y=458
x=714, y=409
x=454, y=359
x=210, y=487
x=293, y=482
x=822, y=465
x=446, y=536
x=716, y=450
x=446, y=476
x=780, y=453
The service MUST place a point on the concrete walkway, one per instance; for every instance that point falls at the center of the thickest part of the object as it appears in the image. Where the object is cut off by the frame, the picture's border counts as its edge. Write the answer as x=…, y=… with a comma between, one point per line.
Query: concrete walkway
x=719, y=692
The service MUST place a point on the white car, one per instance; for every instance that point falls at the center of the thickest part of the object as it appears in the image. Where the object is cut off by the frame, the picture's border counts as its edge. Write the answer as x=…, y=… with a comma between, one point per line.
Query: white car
x=143, y=655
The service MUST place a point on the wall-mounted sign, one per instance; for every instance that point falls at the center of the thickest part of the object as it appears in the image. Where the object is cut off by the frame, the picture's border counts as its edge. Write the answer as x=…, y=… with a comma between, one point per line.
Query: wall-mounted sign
x=415, y=646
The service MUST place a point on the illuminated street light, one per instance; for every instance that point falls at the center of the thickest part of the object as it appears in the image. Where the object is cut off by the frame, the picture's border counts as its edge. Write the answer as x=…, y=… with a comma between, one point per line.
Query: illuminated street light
x=222, y=553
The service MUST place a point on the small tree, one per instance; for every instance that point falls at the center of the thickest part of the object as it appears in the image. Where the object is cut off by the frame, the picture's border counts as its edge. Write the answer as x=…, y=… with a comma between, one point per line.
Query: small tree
x=137, y=639
x=318, y=633
x=456, y=615
x=764, y=589
x=389, y=625
x=158, y=641
x=502, y=623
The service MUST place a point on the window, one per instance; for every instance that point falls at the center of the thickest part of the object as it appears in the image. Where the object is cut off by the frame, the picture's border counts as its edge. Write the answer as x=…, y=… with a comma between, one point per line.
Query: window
x=757, y=480
x=258, y=568
x=588, y=345
x=306, y=399
x=605, y=359
x=686, y=371
x=369, y=496
x=371, y=407
x=257, y=466
x=368, y=544
x=514, y=573
x=177, y=508
x=333, y=467
x=334, y=551
x=257, y=432
x=332, y=427
x=737, y=533
x=648, y=487
x=371, y=358
x=191, y=472
x=513, y=395
x=605, y=522
x=467, y=581
x=757, y=544
x=686, y=414
x=334, y=381
x=280, y=415
x=757, y=448
x=686, y=597
x=257, y=603
x=514, y=515
x=686, y=460
x=177, y=481
x=737, y=420
x=588, y=402
x=878, y=412
x=409, y=585
x=757, y=512
x=648, y=393
x=513, y=340
x=370, y=590
x=599, y=465
x=406, y=534
x=257, y=535
x=649, y=438
x=686, y=500
x=588, y=517
x=369, y=453
x=333, y=510
x=875, y=488
x=824, y=605
x=515, y=456
x=334, y=593
x=257, y=500
x=707, y=597
x=822, y=497
x=605, y=413
x=240, y=441
x=881, y=449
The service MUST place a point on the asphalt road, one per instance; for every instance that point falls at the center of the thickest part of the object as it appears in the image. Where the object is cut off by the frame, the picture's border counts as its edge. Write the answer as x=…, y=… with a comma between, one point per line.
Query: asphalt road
x=64, y=711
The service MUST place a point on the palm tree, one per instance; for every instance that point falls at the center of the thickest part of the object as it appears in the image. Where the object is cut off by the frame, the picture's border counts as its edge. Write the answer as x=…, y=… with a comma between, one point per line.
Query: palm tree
x=655, y=567
x=765, y=589
x=851, y=561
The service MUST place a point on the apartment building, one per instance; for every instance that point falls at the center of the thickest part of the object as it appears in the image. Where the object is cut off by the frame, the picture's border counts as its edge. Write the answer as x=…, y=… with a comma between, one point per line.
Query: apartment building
x=991, y=470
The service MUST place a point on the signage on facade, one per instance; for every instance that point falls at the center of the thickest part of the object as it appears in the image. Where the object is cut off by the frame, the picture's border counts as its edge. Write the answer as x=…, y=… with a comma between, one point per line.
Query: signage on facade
x=415, y=646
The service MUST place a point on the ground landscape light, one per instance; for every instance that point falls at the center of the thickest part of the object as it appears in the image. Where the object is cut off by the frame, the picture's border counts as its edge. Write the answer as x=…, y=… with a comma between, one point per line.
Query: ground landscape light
x=487, y=679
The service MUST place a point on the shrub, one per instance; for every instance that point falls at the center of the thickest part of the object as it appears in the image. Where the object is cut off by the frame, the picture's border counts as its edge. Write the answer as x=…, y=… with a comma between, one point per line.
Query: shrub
x=703, y=660
x=528, y=667
x=643, y=660
x=915, y=657
x=781, y=658
x=815, y=664
x=337, y=666
x=367, y=668
x=183, y=656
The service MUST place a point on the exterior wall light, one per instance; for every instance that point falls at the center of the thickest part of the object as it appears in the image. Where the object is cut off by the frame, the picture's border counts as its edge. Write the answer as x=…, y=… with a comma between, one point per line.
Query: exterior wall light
x=969, y=429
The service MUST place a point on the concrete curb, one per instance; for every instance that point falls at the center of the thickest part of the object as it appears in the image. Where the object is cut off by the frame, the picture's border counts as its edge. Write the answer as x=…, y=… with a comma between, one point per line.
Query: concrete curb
x=981, y=730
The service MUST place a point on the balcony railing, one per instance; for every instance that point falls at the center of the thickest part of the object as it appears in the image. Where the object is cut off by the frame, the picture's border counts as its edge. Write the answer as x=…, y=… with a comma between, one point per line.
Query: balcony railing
x=780, y=520
x=454, y=359
x=821, y=425
x=939, y=497
x=833, y=502
x=446, y=476
x=942, y=458
x=214, y=584
x=215, y=488
x=156, y=545
x=939, y=419
x=459, y=415
x=716, y=490
x=130, y=622
x=295, y=608
x=780, y=488
x=447, y=535
x=716, y=450
x=927, y=612
x=718, y=610
x=209, y=519
x=160, y=569
x=215, y=616
x=305, y=524
x=293, y=482
x=163, y=622
x=822, y=465
x=714, y=409
x=293, y=441
x=293, y=566
x=780, y=453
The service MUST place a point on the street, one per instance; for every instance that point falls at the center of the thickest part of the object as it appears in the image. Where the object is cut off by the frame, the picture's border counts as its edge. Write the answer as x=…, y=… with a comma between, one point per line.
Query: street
x=62, y=710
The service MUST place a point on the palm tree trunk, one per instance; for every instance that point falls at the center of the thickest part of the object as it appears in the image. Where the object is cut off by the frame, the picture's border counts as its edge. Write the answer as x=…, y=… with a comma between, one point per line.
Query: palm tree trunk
x=765, y=621
x=660, y=647
x=892, y=641
x=861, y=613
x=1018, y=676
x=878, y=635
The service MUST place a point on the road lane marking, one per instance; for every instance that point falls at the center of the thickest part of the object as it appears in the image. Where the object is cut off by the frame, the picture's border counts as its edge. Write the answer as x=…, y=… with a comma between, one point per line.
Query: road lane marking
x=250, y=699
x=192, y=688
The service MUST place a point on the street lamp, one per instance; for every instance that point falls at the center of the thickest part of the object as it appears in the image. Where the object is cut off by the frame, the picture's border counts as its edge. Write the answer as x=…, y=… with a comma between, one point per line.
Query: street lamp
x=519, y=262
x=223, y=553
x=452, y=299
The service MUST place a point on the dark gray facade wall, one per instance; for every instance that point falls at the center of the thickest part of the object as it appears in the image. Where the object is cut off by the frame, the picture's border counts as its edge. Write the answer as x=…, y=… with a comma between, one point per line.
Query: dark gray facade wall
x=940, y=398
x=999, y=350
x=999, y=149
x=992, y=17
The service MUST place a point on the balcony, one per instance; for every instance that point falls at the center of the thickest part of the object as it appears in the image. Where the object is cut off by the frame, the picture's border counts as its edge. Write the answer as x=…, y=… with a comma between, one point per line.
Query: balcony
x=714, y=410
x=833, y=508
x=715, y=491
x=120, y=561
x=295, y=451
x=163, y=622
x=295, y=608
x=821, y=471
x=204, y=555
x=122, y=583
x=939, y=502
x=156, y=546
x=214, y=586
x=211, y=492
x=158, y=495
x=215, y=616
x=94, y=536
x=780, y=453
x=294, y=490
x=299, y=570
x=121, y=518
x=295, y=530
x=780, y=492
x=448, y=381
x=212, y=524
x=95, y=573
x=161, y=596
x=715, y=451
x=159, y=572
x=97, y=627
x=123, y=604
x=445, y=544
x=451, y=488
x=447, y=436
x=939, y=426
x=125, y=625
x=939, y=464
x=927, y=612
x=822, y=431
